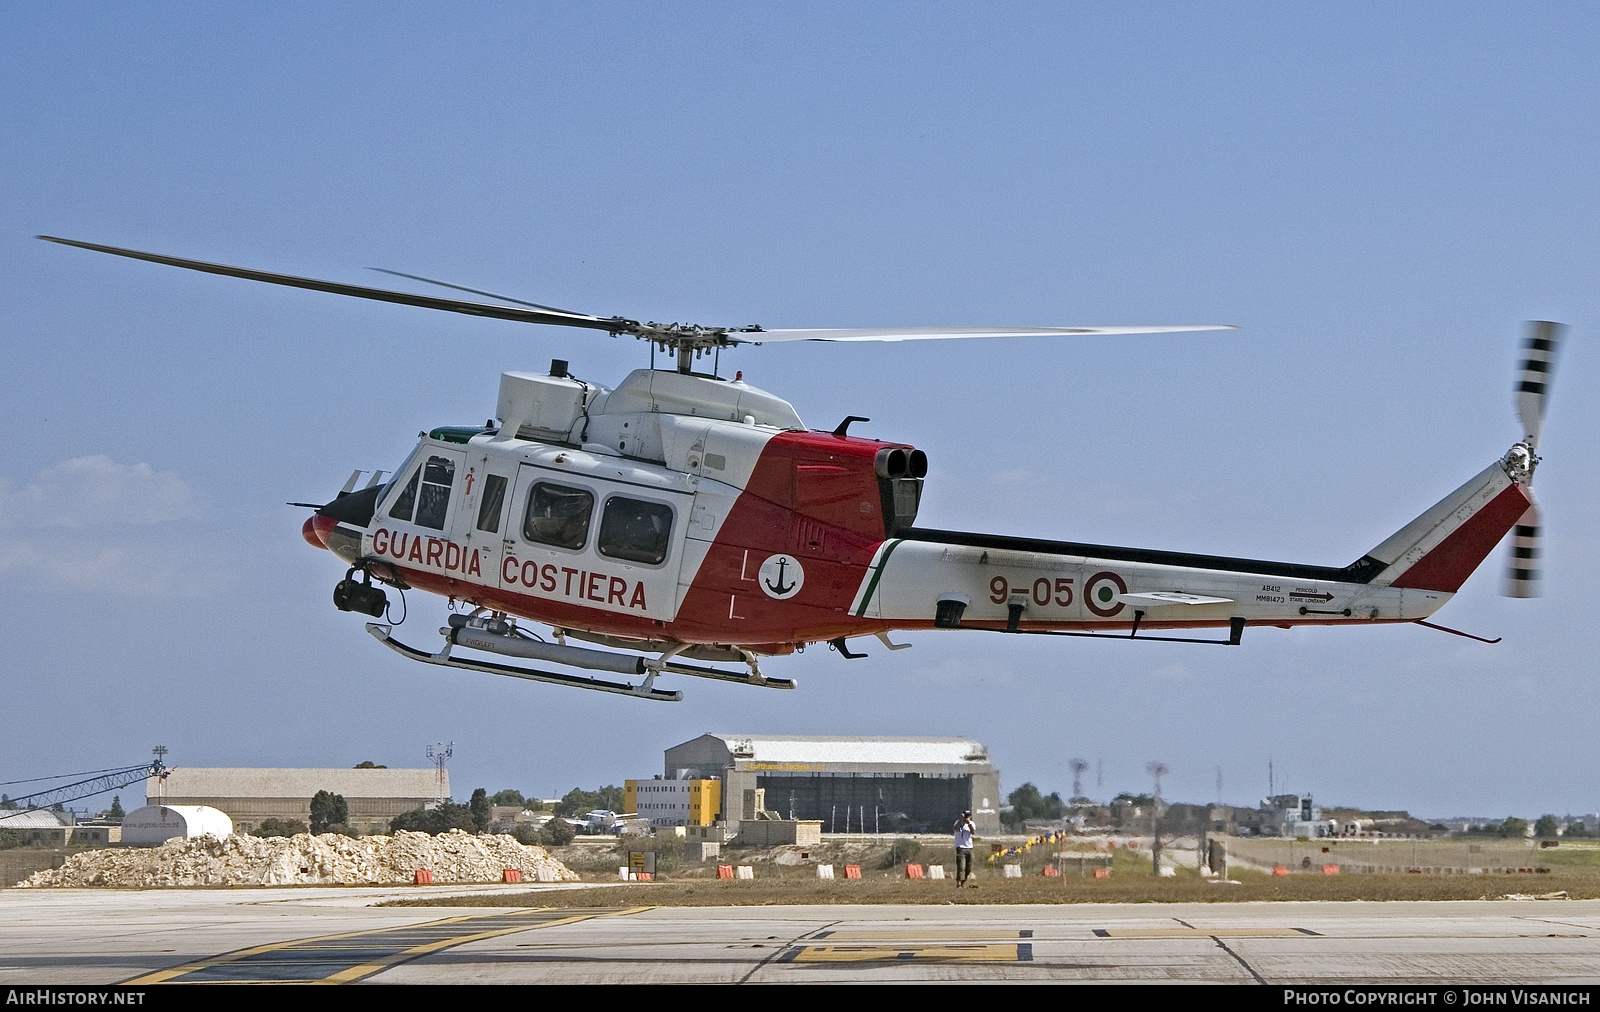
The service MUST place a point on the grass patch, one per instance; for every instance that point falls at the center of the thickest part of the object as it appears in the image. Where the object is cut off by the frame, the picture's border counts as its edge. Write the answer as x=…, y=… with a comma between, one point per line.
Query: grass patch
x=1120, y=888
x=1571, y=855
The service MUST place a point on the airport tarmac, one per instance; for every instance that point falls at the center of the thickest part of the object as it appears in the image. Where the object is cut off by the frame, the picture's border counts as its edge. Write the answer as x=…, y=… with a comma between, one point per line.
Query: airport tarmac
x=337, y=935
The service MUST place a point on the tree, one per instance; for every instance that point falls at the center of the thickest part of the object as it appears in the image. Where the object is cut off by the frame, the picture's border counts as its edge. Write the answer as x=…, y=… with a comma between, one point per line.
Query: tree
x=527, y=835
x=433, y=821
x=328, y=809
x=508, y=797
x=1027, y=803
x=1547, y=827
x=116, y=807
x=578, y=801
x=558, y=832
x=369, y=765
x=1514, y=828
x=280, y=827
x=479, y=807
x=6, y=803
x=10, y=838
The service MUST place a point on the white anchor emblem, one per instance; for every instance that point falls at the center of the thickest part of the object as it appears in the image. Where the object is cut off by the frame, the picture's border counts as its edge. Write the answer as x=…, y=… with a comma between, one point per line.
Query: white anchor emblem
x=781, y=576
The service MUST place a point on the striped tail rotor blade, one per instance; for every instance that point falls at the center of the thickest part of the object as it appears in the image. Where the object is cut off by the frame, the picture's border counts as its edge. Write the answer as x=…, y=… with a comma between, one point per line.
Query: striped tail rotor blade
x=1533, y=378
x=1527, y=551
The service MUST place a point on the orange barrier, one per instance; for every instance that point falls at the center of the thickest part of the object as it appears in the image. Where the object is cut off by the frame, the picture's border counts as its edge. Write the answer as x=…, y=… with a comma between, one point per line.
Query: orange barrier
x=424, y=877
x=1102, y=873
x=913, y=871
x=1050, y=871
x=642, y=876
x=724, y=871
x=1330, y=869
x=852, y=871
x=512, y=875
x=1280, y=870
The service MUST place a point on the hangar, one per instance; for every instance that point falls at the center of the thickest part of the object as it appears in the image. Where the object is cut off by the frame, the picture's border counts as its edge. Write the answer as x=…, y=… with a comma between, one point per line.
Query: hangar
x=249, y=796
x=850, y=785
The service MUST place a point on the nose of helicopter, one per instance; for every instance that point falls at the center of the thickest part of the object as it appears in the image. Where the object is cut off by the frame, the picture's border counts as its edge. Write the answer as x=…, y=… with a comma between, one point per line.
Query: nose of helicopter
x=316, y=528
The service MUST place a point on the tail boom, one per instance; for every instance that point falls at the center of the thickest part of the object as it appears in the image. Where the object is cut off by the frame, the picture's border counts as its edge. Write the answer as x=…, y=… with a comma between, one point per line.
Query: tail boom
x=932, y=578
x=915, y=582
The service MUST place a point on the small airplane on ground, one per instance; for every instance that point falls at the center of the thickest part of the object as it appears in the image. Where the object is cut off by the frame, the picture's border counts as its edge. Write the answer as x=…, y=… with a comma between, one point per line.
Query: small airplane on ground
x=683, y=516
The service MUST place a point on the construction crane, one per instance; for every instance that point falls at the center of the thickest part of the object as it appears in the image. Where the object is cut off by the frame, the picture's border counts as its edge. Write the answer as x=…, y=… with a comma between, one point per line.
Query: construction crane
x=94, y=782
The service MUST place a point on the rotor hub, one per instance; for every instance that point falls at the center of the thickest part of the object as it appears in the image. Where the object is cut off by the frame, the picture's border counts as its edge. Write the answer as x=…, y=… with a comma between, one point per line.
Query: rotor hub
x=1520, y=462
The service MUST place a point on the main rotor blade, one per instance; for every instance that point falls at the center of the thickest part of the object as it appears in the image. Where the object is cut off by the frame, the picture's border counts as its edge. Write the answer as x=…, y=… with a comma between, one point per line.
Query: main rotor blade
x=680, y=336
x=1533, y=380
x=1527, y=546
x=474, y=291
x=947, y=333
x=557, y=318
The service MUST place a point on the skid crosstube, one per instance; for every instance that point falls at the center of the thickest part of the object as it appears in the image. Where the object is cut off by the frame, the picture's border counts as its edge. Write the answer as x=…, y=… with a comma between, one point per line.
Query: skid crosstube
x=644, y=691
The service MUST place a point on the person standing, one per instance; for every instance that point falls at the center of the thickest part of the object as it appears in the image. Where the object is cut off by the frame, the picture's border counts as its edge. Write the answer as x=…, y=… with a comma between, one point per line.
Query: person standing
x=963, y=835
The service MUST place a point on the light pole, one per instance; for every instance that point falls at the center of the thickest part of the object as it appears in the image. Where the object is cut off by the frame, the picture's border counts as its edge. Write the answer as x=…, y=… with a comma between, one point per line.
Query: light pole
x=1156, y=769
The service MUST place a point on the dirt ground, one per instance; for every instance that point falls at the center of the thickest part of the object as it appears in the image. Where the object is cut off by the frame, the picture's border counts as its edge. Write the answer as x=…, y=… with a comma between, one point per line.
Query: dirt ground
x=783, y=876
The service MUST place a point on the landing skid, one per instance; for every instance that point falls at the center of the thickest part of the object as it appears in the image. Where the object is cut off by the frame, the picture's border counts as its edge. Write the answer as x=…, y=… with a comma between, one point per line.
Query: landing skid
x=644, y=690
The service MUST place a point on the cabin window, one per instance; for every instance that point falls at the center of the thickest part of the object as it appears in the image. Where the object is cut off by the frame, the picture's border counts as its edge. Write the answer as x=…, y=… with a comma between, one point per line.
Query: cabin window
x=494, y=500
x=433, y=498
x=635, y=530
x=558, y=515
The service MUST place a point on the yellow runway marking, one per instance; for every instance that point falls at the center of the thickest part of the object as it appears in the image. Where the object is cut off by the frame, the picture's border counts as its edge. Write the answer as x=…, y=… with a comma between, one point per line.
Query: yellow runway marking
x=909, y=934
x=1010, y=952
x=162, y=976
x=383, y=948
x=367, y=969
x=1201, y=932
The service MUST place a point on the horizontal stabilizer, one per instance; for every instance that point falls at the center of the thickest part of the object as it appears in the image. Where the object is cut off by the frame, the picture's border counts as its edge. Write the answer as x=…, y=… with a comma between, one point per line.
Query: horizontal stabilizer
x=1161, y=598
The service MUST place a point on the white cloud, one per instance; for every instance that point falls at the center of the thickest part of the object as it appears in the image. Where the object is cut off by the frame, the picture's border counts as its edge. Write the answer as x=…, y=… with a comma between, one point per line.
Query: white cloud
x=96, y=491
x=87, y=568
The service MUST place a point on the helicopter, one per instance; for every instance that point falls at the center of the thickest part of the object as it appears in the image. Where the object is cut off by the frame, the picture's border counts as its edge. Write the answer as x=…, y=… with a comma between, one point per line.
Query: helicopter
x=682, y=516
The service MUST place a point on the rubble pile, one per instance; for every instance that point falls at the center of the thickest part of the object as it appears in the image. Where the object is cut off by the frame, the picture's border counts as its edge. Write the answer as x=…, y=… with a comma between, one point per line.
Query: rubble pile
x=303, y=859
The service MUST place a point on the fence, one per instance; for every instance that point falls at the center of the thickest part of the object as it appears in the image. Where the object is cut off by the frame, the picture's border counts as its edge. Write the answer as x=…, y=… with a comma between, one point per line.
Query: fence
x=1387, y=856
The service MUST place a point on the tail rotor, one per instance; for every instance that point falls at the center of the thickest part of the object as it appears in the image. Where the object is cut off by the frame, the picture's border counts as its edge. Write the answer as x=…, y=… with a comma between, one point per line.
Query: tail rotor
x=1539, y=351
x=1522, y=568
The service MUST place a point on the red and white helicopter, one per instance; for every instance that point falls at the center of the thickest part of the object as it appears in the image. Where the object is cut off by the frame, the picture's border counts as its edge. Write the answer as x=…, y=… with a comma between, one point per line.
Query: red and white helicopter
x=685, y=517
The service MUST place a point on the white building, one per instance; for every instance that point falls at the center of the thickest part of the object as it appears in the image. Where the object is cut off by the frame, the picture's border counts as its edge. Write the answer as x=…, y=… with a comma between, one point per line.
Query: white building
x=153, y=825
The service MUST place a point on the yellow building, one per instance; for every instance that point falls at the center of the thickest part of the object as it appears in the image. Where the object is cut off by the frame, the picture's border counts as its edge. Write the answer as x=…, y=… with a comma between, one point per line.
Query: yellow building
x=673, y=802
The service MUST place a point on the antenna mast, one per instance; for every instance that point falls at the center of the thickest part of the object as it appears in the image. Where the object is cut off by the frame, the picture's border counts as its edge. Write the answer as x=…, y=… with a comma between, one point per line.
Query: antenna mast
x=439, y=755
x=1077, y=766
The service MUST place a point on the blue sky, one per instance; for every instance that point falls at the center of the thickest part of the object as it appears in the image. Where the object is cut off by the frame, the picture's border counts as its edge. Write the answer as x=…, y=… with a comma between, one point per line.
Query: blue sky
x=1375, y=196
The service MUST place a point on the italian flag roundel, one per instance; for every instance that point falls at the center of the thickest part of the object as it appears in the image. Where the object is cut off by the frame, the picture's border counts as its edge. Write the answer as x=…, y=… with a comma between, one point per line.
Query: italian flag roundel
x=1100, y=594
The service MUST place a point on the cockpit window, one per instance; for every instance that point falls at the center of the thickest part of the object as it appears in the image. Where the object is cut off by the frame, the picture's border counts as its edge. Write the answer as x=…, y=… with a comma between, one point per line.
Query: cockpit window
x=401, y=510
x=433, y=498
x=558, y=515
x=635, y=530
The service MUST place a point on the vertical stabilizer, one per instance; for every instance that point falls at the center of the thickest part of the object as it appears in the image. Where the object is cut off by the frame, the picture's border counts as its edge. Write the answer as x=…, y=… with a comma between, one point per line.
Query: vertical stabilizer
x=1441, y=548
